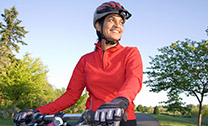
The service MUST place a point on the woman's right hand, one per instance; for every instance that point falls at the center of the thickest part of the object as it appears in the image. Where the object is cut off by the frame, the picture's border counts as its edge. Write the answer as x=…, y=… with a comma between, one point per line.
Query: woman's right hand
x=24, y=117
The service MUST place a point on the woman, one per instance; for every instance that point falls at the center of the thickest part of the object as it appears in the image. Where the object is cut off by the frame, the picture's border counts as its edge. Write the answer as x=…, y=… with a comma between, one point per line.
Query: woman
x=112, y=74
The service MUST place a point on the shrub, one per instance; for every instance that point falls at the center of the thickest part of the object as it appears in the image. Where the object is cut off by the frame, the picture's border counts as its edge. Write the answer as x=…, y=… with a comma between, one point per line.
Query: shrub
x=156, y=110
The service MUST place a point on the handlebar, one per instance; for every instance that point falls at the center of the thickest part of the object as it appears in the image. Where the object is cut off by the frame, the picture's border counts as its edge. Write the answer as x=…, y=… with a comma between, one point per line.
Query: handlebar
x=60, y=119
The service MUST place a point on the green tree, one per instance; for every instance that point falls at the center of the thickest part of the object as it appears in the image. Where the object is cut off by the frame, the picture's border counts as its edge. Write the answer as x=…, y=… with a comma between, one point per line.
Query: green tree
x=175, y=103
x=25, y=80
x=181, y=68
x=11, y=34
x=146, y=109
x=186, y=110
x=140, y=108
x=48, y=95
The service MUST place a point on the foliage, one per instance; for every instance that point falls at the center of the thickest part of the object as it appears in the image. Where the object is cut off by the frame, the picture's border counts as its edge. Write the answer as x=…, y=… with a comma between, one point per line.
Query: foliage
x=181, y=68
x=25, y=80
x=23, y=83
x=188, y=110
x=79, y=106
x=195, y=111
x=144, y=109
x=156, y=110
x=140, y=108
x=11, y=34
x=174, y=103
x=205, y=110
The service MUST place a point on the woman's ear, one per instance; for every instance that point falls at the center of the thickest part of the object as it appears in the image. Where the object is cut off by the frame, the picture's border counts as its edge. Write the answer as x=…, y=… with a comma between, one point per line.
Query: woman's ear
x=97, y=26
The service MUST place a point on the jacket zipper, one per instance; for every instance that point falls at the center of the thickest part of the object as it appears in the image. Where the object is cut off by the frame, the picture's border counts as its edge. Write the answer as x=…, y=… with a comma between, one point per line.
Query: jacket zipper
x=103, y=59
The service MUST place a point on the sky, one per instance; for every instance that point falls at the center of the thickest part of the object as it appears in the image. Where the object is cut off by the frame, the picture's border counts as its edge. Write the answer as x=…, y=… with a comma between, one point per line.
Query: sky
x=61, y=31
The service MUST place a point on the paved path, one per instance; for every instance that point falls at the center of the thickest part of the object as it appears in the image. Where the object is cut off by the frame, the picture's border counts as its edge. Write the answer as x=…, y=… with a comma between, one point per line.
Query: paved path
x=146, y=120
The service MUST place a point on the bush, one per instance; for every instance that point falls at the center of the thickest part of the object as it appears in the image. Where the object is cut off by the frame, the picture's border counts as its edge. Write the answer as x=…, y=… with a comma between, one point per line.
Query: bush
x=205, y=110
x=5, y=113
x=140, y=108
x=156, y=110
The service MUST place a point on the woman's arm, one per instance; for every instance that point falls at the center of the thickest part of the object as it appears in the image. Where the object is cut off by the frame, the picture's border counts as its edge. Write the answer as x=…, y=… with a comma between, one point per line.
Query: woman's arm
x=72, y=94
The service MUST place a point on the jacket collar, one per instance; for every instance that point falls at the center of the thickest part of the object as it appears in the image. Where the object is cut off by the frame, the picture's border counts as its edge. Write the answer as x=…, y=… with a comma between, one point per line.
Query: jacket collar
x=118, y=46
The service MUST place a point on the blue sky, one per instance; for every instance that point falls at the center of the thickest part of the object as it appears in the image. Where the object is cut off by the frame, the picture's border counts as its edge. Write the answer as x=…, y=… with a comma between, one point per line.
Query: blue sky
x=61, y=31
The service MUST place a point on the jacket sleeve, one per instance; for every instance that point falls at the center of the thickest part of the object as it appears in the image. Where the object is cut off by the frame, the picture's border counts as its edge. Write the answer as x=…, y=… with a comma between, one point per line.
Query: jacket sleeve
x=72, y=94
x=134, y=76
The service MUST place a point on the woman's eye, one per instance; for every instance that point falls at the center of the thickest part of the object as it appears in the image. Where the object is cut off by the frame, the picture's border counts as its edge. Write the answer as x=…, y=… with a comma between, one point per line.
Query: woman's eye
x=110, y=20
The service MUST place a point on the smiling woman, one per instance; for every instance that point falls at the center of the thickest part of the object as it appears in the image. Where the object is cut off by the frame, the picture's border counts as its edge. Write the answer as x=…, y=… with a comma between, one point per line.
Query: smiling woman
x=60, y=32
x=112, y=74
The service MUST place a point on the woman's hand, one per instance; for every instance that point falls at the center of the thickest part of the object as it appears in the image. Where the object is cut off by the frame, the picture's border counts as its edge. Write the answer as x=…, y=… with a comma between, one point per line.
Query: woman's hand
x=111, y=113
x=24, y=117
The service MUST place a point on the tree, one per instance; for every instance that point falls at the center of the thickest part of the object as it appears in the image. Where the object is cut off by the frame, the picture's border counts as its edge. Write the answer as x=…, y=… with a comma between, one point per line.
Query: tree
x=25, y=80
x=181, y=68
x=140, y=108
x=175, y=103
x=11, y=34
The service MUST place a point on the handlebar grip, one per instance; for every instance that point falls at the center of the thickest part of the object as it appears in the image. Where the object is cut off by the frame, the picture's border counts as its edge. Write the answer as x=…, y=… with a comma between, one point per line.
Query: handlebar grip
x=35, y=118
x=88, y=118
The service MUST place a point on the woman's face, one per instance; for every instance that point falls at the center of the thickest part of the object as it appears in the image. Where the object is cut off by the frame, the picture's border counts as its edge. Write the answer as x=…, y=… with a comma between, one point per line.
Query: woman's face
x=113, y=27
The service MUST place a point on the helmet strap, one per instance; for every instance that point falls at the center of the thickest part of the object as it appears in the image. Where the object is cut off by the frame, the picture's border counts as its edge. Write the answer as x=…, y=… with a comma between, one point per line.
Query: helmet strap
x=107, y=41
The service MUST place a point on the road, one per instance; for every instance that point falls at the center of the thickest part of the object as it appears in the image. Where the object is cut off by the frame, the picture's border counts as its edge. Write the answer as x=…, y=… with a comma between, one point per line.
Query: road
x=146, y=120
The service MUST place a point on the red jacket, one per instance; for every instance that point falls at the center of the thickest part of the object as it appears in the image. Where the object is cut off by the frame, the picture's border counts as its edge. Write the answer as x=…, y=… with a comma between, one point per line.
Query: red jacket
x=116, y=72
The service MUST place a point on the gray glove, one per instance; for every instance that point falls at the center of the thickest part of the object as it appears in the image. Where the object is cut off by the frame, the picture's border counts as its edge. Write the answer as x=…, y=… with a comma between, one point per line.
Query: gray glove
x=24, y=117
x=111, y=113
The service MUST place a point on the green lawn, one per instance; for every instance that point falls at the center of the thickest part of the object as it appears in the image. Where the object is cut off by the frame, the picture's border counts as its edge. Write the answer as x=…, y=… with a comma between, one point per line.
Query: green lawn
x=170, y=120
x=6, y=122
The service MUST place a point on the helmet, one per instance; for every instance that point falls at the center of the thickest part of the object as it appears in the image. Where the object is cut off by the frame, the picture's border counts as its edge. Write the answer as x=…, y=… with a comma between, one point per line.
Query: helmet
x=110, y=8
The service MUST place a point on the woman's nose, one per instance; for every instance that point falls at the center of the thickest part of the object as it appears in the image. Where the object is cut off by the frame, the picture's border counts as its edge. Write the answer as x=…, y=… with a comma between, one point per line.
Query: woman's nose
x=117, y=24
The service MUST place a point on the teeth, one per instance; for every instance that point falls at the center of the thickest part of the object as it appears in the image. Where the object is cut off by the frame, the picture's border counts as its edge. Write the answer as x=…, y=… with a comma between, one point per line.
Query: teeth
x=115, y=31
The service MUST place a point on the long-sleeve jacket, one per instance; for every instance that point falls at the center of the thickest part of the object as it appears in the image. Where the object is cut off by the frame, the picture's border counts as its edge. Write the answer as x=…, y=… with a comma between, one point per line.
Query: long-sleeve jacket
x=116, y=72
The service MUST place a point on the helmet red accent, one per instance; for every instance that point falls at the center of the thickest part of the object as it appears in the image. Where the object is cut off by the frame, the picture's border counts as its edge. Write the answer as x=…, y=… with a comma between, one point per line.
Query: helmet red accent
x=110, y=8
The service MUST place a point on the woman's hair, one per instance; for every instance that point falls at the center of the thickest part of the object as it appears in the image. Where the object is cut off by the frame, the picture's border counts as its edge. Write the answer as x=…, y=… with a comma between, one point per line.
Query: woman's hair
x=101, y=22
x=99, y=36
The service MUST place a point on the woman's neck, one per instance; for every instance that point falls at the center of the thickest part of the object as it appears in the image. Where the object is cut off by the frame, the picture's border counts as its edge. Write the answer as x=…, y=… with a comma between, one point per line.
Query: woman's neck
x=105, y=46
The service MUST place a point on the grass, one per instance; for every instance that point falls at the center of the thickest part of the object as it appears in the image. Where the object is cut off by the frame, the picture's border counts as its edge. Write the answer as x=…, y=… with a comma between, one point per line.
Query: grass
x=170, y=120
x=6, y=122
x=164, y=119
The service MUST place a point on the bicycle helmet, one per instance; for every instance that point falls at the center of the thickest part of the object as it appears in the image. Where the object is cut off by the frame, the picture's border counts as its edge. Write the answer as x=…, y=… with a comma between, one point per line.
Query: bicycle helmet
x=109, y=8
